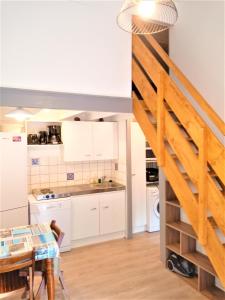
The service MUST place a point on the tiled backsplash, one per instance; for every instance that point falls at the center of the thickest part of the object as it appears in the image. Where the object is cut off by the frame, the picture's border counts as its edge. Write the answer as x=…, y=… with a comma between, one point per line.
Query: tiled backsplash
x=48, y=170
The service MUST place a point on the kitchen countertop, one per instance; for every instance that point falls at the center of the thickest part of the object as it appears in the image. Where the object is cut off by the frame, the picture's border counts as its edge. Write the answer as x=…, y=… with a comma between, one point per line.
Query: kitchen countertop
x=82, y=189
x=92, y=188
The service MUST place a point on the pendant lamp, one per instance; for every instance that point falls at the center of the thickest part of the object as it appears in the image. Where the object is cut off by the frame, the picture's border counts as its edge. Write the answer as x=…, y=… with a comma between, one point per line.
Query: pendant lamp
x=147, y=16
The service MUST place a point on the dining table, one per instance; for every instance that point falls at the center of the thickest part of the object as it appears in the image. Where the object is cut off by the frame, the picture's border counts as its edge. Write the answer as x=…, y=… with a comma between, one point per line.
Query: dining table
x=36, y=237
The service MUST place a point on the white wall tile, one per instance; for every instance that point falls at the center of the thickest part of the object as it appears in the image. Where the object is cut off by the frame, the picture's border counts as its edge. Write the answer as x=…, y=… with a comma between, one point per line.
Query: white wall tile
x=53, y=160
x=44, y=161
x=52, y=172
x=44, y=170
x=34, y=179
x=53, y=169
x=44, y=179
x=53, y=178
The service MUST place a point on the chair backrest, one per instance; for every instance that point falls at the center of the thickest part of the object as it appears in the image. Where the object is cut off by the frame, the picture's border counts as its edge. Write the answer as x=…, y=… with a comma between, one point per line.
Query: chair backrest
x=10, y=268
x=58, y=234
x=17, y=262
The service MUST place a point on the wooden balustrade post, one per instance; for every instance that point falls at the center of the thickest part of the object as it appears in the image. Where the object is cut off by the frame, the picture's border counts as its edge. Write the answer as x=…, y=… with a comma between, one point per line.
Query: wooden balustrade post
x=202, y=187
x=161, y=120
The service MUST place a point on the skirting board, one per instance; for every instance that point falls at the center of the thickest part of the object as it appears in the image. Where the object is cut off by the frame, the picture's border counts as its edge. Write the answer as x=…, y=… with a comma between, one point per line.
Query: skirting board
x=98, y=239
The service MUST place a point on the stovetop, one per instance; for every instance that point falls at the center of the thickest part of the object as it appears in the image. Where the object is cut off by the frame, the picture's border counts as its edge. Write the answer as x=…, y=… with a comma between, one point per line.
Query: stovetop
x=53, y=193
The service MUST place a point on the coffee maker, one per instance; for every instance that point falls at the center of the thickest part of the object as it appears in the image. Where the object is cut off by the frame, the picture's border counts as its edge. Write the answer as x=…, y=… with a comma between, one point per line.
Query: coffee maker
x=54, y=136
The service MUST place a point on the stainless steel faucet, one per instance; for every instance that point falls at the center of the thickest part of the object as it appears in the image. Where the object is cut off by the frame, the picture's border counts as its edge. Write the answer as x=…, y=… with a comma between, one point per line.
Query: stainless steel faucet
x=103, y=179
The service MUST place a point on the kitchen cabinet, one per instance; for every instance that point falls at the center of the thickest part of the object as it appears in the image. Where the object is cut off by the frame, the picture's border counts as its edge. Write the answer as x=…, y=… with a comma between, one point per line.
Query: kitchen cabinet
x=89, y=140
x=85, y=216
x=105, y=140
x=112, y=212
x=98, y=214
x=77, y=141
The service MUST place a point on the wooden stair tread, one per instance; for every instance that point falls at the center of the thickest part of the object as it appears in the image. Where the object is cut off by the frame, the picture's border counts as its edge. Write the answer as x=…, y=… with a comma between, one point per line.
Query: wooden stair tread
x=213, y=223
x=211, y=173
x=183, y=227
x=173, y=155
x=201, y=260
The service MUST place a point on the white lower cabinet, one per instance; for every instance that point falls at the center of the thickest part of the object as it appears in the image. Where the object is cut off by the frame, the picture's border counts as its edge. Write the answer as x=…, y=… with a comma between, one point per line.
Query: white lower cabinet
x=99, y=214
x=85, y=216
x=112, y=212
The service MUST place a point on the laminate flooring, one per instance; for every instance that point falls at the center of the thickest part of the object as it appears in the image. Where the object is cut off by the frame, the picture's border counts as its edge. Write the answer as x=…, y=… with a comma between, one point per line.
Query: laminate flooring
x=122, y=270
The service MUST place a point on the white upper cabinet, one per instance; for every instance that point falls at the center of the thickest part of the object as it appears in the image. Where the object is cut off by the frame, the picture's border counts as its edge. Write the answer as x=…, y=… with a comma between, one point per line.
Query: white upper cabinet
x=89, y=140
x=77, y=141
x=105, y=144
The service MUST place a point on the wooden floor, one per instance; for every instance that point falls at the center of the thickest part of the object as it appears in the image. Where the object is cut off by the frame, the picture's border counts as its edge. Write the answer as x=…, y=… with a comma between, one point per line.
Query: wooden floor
x=122, y=270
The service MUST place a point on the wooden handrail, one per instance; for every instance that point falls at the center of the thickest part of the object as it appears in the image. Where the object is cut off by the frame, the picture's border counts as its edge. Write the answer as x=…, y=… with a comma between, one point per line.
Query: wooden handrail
x=188, y=85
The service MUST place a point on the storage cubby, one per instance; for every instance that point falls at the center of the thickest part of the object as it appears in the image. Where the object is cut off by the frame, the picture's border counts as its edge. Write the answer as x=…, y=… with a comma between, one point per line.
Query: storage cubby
x=173, y=240
x=188, y=244
x=181, y=239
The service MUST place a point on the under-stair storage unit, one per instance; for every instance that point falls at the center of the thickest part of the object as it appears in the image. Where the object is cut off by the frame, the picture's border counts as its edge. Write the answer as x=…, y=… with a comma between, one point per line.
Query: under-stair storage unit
x=182, y=240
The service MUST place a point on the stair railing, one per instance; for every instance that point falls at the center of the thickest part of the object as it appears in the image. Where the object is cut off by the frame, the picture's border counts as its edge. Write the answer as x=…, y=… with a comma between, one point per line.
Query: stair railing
x=165, y=117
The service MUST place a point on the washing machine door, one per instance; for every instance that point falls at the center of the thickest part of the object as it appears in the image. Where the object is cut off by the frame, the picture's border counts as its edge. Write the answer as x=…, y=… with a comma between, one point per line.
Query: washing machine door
x=156, y=208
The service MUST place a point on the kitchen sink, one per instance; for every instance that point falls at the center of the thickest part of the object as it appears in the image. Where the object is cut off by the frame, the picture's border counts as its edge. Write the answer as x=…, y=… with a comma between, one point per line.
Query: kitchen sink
x=105, y=185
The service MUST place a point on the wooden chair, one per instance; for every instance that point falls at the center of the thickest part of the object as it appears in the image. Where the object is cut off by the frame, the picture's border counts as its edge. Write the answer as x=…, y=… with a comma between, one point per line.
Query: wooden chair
x=10, y=279
x=59, y=235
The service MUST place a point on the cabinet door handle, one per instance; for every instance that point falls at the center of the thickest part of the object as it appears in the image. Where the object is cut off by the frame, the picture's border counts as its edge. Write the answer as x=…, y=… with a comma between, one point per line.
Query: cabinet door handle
x=87, y=155
x=99, y=154
x=105, y=207
x=94, y=208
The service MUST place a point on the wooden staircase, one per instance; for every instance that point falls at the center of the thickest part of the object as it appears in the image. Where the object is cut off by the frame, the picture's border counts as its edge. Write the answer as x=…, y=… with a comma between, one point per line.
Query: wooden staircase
x=192, y=157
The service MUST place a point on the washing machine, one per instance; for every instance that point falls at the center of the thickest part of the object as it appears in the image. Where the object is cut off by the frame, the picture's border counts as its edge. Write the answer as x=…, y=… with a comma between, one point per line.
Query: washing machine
x=153, y=212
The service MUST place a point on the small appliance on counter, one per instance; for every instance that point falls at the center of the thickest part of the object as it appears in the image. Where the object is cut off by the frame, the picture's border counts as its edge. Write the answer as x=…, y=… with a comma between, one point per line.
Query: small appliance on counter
x=32, y=139
x=43, y=137
x=54, y=136
x=50, y=136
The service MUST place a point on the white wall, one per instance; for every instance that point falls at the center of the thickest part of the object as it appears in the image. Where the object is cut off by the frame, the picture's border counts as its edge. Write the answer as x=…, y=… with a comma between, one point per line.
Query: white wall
x=69, y=46
x=197, y=47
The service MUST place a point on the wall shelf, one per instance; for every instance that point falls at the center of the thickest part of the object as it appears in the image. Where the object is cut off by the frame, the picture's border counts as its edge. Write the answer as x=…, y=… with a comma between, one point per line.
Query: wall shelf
x=45, y=146
x=181, y=239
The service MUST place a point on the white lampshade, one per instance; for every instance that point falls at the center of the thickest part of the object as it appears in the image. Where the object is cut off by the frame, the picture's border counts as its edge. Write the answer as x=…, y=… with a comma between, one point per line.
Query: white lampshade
x=147, y=16
x=19, y=114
